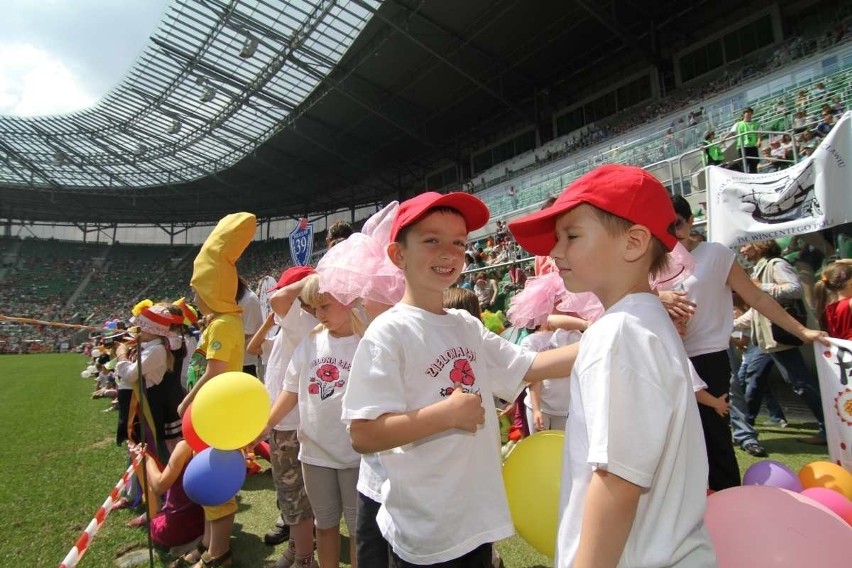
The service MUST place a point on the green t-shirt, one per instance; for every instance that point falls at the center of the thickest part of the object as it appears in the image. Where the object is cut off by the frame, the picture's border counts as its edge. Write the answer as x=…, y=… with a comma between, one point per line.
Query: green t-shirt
x=747, y=134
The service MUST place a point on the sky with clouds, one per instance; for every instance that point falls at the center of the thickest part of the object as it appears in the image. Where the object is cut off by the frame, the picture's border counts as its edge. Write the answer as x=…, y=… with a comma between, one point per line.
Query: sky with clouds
x=59, y=56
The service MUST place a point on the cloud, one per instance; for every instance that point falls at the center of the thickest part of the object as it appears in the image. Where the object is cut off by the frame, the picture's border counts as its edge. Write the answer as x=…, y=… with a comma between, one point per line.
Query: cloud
x=34, y=82
x=58, y=56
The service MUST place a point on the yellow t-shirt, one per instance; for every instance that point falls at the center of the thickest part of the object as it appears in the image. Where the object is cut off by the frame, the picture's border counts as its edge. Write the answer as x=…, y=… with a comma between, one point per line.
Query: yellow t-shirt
x=223, y=340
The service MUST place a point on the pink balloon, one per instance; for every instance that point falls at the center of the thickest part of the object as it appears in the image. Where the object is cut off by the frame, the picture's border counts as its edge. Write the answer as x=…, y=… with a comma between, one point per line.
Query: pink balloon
x=834, y=500
x=769, y=527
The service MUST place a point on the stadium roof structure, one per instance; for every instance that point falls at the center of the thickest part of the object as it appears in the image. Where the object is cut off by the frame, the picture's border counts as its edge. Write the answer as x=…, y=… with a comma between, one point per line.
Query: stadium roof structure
x=308, y=106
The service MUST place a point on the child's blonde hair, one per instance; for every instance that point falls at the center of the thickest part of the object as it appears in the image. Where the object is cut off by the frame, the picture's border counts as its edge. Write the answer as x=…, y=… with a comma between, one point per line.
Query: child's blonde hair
x=312, y=296
x=835, y=276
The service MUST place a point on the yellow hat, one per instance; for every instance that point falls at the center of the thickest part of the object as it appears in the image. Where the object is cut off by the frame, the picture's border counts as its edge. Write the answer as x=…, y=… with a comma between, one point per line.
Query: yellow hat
x=214, y=274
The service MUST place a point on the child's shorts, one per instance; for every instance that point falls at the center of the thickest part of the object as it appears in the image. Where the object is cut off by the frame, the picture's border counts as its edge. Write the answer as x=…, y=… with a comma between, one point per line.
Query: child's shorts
x=217, y=512
x=332, y=492
x=287, y=475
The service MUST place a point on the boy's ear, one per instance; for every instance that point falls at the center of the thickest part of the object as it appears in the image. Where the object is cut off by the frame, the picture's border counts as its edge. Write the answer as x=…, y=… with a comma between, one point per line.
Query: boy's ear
x=396, y=254
x=637, y=242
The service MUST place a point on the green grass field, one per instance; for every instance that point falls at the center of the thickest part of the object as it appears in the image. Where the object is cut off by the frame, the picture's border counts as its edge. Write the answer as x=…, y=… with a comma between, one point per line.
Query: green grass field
x=59, y=461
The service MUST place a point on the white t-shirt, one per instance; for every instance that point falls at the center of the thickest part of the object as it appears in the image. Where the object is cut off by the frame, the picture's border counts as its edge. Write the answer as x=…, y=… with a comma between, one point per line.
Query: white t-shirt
x=709, y=328
x=555, y=393
x=295, y=326
x=443, y=495
x=318, y=372
x=633, y=413
x=252, y=320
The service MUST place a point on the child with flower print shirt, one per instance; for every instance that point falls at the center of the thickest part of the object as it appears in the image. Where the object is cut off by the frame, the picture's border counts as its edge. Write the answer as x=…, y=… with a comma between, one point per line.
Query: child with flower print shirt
x=316, y=379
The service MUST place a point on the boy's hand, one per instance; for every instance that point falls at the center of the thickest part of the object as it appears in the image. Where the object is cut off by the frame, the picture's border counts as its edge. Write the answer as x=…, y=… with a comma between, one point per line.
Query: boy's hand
x=538, y=421
x=464, y=409
x=811, y=335
x=722, y=406
x=677, y=304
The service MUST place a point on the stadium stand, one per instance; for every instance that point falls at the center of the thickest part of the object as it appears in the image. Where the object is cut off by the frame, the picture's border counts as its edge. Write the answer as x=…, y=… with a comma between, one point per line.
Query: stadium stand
x=96, y=282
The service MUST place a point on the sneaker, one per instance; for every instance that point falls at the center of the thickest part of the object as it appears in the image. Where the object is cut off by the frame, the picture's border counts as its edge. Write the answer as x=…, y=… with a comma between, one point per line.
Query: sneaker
x=753, y=448
x=817, y=440
x=277, y=535
x=779, y=423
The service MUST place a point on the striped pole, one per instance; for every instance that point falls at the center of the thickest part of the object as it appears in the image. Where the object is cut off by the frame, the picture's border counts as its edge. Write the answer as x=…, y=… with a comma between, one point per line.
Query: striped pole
x=82, y=544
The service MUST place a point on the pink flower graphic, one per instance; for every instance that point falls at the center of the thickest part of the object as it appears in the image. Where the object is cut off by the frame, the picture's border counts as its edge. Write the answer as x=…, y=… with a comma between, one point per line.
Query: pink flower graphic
x=462, y=372
x=328, y=373
x=313, y=388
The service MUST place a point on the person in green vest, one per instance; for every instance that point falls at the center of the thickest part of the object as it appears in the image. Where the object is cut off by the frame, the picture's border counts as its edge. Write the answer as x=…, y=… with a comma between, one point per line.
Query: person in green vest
x=748, y=139
x=713, y=154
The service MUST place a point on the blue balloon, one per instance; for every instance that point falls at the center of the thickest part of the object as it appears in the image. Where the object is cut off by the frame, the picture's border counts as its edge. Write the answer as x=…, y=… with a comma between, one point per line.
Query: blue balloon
x=111, y=325
x=214, y=476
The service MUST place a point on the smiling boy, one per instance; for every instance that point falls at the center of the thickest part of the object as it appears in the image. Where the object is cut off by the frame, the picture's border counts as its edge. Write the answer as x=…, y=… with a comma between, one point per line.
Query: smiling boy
x=420, y=395
x=635, y=475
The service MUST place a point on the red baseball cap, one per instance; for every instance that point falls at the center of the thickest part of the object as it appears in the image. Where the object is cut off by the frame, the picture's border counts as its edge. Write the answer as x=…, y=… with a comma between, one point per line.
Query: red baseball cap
x=474, y=211
x=291, y=275
x=628, y=192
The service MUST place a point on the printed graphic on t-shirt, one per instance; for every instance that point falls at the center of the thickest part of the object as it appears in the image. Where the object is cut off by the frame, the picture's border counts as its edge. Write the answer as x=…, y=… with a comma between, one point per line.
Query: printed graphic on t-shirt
x=455, y=365
x=327, y=377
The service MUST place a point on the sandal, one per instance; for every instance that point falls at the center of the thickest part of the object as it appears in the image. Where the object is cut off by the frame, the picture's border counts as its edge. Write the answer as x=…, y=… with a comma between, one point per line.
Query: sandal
x=207, y=562
x=191, y=558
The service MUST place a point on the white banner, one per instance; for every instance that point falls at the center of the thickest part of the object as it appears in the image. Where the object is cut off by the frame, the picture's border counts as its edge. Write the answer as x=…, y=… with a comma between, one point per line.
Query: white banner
x=834, y=368
x=814, y=194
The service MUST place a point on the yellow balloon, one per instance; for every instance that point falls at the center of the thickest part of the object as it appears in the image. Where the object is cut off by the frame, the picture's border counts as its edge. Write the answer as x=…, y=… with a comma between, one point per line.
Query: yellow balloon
x=828, y=475
x=230, y=410
x=532, y=474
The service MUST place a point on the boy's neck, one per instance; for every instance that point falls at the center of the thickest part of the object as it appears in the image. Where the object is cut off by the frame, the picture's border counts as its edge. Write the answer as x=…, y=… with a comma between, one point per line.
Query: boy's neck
x=425, y=300
x=617, y=291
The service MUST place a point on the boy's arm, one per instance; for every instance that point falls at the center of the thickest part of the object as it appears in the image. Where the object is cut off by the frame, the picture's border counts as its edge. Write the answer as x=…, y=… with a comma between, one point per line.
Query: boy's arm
x=255, y=346
x=568, y=323
x=608, y=514
x=535, y=402
x=283, y=298
x=214, y=367
x=720, y=404
x=284, y=403
x=459, y=410
x=553, y=364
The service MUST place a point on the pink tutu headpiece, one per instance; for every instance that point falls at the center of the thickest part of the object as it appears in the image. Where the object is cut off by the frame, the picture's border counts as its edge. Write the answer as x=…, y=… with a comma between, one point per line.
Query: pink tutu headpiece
x=531, y=306
x=359, y=267
x=681, y=266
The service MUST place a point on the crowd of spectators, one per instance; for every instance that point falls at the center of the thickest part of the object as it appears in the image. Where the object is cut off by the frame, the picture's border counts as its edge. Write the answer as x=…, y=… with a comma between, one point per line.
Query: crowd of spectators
x=38, y=284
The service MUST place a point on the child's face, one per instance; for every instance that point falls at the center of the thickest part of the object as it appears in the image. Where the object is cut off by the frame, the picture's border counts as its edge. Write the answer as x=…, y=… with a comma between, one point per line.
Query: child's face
x=433, y=253
x=584, y=250
x=333, y=315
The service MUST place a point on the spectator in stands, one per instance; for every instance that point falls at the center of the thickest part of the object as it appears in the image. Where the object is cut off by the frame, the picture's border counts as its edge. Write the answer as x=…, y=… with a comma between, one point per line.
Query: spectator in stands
x=800, y=122
x=713, y=155
x=338, y=231
x=780, y=108
x=801, y=102
x=767, y=162
x=807, y=143
x=825, y=125
x=785, y=150
x=748, y=140
x=837, y=106
x=486, y=289
x=819, y=92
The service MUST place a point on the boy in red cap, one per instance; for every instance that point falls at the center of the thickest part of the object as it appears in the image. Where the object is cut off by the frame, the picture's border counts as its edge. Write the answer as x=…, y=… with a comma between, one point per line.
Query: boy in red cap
x=420, y=397
x=635, y=475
